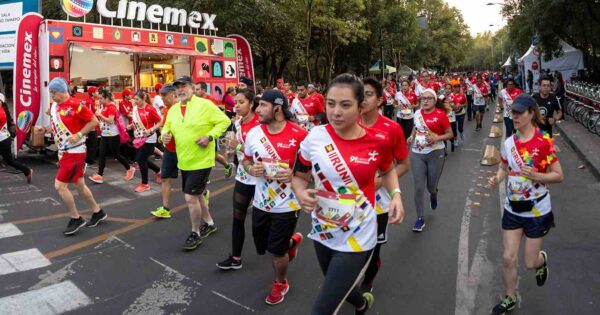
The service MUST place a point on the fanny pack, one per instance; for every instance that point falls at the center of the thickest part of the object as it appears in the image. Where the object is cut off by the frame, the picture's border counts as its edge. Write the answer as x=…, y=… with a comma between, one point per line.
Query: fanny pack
x=520, y=206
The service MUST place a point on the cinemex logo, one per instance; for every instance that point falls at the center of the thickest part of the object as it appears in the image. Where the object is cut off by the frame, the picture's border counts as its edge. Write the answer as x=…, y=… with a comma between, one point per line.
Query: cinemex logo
x=139, y=11
x=25, y=91
x=366, y=161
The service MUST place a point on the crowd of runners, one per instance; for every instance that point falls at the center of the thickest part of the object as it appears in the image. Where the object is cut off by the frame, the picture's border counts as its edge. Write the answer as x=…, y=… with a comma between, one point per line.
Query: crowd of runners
x=336, y=154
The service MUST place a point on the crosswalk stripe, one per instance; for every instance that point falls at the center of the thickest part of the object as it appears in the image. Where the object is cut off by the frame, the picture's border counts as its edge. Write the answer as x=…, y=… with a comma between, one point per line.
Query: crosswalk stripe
x=22, y=260
x=9, y=230
x=55, y=299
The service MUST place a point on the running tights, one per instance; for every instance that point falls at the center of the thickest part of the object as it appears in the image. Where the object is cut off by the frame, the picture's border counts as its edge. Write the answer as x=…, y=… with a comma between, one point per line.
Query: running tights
x=407, y=126
x=142, y=159
x=9, y=159
x=374, y=266
x=112, y=145
x=91, y=143
x=460, y=122
x=242, y=198
x=342, y=272
x=426, y=169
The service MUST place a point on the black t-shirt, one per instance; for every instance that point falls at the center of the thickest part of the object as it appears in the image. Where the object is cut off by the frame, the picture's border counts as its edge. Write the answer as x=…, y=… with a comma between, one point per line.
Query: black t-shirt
x=547, y=106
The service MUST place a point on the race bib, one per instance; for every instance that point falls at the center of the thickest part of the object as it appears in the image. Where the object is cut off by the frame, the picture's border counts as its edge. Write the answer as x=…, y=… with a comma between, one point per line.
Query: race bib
x=335, y=208
x=302, y=118
x=273, y=166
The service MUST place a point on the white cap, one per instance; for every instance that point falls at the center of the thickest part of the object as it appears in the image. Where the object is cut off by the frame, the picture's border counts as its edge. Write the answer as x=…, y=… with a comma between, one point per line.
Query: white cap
x=2, y=98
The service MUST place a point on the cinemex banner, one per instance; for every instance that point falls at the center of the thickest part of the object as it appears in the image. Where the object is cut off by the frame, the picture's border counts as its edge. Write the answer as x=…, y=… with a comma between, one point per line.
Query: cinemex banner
x=244, y=58
x=26, y=91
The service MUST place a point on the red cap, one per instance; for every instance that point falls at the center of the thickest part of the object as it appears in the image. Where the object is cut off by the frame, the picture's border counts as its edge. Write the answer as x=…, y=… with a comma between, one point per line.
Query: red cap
x=92, y=89
x=157, y=86
x=280, y=80
x=127, y=92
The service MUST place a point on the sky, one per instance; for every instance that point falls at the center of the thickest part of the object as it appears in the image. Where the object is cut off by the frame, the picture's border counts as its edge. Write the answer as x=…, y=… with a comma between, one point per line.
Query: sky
x=478, y=16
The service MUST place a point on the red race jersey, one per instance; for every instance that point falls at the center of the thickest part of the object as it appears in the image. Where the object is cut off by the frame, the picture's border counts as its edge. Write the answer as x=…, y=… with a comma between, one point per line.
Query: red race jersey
x=74, y=114
x=148, y=116
x=437, y=121
x=395, y=135
x=125, y=107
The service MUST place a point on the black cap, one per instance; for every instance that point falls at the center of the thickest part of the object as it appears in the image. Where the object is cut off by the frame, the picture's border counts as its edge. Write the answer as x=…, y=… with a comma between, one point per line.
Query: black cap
x=183, y=80
x=523, y=102
x=276, y=97
x=245, y=80
x=167, y=88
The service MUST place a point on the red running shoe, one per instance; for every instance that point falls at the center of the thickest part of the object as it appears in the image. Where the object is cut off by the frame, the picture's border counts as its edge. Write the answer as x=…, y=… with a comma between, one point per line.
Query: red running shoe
x=278, y=292
x=293, y=251
x=158, y=178
x=142, y=188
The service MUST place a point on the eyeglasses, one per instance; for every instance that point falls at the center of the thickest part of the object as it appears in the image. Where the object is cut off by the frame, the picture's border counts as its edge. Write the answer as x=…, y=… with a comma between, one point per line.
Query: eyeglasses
x=427, y=98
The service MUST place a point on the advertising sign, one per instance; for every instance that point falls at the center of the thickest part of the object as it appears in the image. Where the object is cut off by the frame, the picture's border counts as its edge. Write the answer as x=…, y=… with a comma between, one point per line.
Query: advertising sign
x=11, y=12
x=244, y=58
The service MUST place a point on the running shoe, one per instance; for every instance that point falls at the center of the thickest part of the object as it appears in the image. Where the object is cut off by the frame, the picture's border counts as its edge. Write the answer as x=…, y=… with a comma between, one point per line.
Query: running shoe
x=369, y=300
x=541, y=273
x=229, y=170
x=96, y=179
x=96, y=218
x=129, y=174
x=278, y=292
x=293, y=251
x=158, y=178
x=192, y=242
x=206, y=230
x=74, y=226
x=433, y=201
x=462, y=136
x=30, y=176
x=230, y=263
x=206, y=195
x=161, y=212
x=419, y=225
x=142, y=188
x=366, y=287
x=508, y=303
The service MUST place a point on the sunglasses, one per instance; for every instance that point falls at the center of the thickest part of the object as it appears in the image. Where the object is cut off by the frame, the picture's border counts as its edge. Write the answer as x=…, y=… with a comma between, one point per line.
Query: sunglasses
x=427, y=98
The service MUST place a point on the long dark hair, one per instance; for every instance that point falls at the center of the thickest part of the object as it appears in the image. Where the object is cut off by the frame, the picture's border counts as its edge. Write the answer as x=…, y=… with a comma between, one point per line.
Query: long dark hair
x=143, y=95
x=106, y=94
x=354, y=82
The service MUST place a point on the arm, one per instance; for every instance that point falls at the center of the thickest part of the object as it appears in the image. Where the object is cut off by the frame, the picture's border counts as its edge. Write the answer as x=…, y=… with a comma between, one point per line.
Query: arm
x=446, y=136
x=553, y=176
x=305, y=196
x=254, y=169
x=390, y=182
x=501, y=175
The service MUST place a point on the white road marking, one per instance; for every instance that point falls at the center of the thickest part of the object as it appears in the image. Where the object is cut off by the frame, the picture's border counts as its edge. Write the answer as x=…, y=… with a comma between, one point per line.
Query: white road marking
x=55, y=299
x=22, y=260
x=9, y=191
x=9, y=230
x=465, y=297
x=113, y=239
x=45, y=201
x=50, y=278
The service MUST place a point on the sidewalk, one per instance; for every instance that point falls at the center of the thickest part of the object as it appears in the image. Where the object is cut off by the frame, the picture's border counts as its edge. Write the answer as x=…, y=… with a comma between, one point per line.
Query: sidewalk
x=586, y=144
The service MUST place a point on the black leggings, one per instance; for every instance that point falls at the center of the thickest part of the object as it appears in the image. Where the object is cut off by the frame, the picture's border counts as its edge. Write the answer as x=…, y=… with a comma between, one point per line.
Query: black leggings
x=407, y=126
x=342, y=272
x=242, y=198
x=460, y=122
x=91, y=143
x=374, y=266
x=5, y=151
x=110, y=145
x=142, y=159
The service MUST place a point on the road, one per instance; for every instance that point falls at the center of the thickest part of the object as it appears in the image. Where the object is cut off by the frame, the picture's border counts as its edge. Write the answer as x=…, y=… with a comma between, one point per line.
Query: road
x=133, y=264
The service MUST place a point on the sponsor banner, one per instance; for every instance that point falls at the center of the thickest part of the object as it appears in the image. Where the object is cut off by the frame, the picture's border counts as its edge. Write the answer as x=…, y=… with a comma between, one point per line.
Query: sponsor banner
x=11, y=12
x=244, y=58
x=26, y=91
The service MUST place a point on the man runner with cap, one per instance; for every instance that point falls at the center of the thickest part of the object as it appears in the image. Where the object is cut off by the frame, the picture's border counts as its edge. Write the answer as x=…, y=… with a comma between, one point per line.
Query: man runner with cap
x=194, y=123
x=269, y=155
x=71, y=121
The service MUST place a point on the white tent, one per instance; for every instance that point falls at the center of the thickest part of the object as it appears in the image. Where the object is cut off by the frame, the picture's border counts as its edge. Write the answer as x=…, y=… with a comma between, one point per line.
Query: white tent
x=508, y=63
x=569, y=61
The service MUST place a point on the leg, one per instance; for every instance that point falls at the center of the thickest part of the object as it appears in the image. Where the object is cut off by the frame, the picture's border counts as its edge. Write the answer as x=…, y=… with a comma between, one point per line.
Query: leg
x=512, y=241
x=165, y=187
x=280, y=267
x=460, y=122
x=115, y=148
x=5, y=151
x=281, y=229
x=533, y=257
x=418, y=166
x=206, y=217
x=372, y=268
x=86, y=194
x=435, y=166
x=221, y=159
x=508, y=124
x=63, y=190
x=104, y=144
x=193, y=203
x=242, y=197
x=91, y=142
x=142, y=160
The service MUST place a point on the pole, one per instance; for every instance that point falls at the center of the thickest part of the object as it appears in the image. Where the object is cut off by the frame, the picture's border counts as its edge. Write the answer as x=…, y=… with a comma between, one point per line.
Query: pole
x=382, y=64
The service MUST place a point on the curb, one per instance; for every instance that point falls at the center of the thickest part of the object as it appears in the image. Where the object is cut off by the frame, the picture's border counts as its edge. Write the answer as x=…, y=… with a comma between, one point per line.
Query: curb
x=578, y=148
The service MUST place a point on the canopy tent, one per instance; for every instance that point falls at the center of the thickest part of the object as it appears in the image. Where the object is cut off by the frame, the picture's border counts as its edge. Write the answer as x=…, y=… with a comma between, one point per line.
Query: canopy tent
x=376, y=68
x=405, y=71
x=508, y=63
x=569, y=61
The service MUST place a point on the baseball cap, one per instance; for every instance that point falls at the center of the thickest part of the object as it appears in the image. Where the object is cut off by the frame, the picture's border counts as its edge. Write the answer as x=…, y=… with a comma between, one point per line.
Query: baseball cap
x=157, y=86
x=276, y=97
x=523, y=102
x=280, y=80
x=92, y=89
x=246, y=81
x=183, y=80
x=166, y=88
x=127, y=92
x=310, y=86
x=58, y=85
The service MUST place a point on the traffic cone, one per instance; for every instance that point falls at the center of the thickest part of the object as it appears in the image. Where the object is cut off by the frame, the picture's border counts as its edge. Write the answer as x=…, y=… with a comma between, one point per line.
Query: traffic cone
x=491, y=155
x=498, y=118
x=495, y=132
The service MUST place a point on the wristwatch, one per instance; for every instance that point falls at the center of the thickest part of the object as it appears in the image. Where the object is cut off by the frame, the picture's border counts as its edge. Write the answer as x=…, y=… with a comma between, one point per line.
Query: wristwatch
x=210, y=138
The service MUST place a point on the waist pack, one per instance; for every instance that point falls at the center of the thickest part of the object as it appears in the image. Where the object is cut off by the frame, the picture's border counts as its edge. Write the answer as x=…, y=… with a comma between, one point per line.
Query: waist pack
x=520, y=206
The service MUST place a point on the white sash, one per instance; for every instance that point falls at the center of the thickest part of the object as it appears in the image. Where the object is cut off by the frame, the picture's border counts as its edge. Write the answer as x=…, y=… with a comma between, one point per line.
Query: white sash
x=138, y=126
x=4, y=133
x=301, y=114
x=418, y=87
x=516, y=181
x=62, y=133
x=422, y=130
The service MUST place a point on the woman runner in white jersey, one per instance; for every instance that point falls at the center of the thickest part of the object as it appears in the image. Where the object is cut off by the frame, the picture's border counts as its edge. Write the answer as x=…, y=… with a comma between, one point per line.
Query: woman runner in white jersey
x=243, y=192
x=529, y=163
x=343, y=159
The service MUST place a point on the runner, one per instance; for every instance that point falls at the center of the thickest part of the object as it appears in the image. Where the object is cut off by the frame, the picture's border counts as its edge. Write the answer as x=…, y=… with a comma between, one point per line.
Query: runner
x=549, y=105
x=6, y=143
x=270, y=151
x=194, y=123
x=407, y=102
x=289, y=92
x=229, y=101
x=425, y=83
x=312, y=92
x=71, y=121
x=448, y=107
x=307, y=110
x=145, y=123
x=480, y=92
x=243, y=192
x=343, y=158
x=168, y=168
x=428, y=152
x=371, y=118
x=389, y=97
x=200, y=90
x=126, y=109
x=505, y=100
x=527, y=207
x=460, y=105
x=91, y=142
x=110, y=142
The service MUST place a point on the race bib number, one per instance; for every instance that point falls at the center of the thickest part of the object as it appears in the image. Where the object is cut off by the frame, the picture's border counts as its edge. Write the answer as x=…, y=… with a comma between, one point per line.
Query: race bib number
x=273, y=166
x=337, y=209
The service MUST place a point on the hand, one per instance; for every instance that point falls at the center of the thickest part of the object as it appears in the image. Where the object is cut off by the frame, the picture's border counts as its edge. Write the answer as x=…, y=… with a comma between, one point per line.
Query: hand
x=166, y=137
x=529, y=172
x=98, y=112
x=203, y=142
x=551, y=121
x=431, y=138
x=148, y=132
x=257, y=169
x=409, y=140
x=307, y=201
x=492, y=181
x=73, y=138
x=284, y=175
x=396, y=214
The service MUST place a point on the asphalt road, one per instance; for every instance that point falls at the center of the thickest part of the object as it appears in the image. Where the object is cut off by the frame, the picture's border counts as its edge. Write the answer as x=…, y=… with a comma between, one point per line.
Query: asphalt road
x=133, y=264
